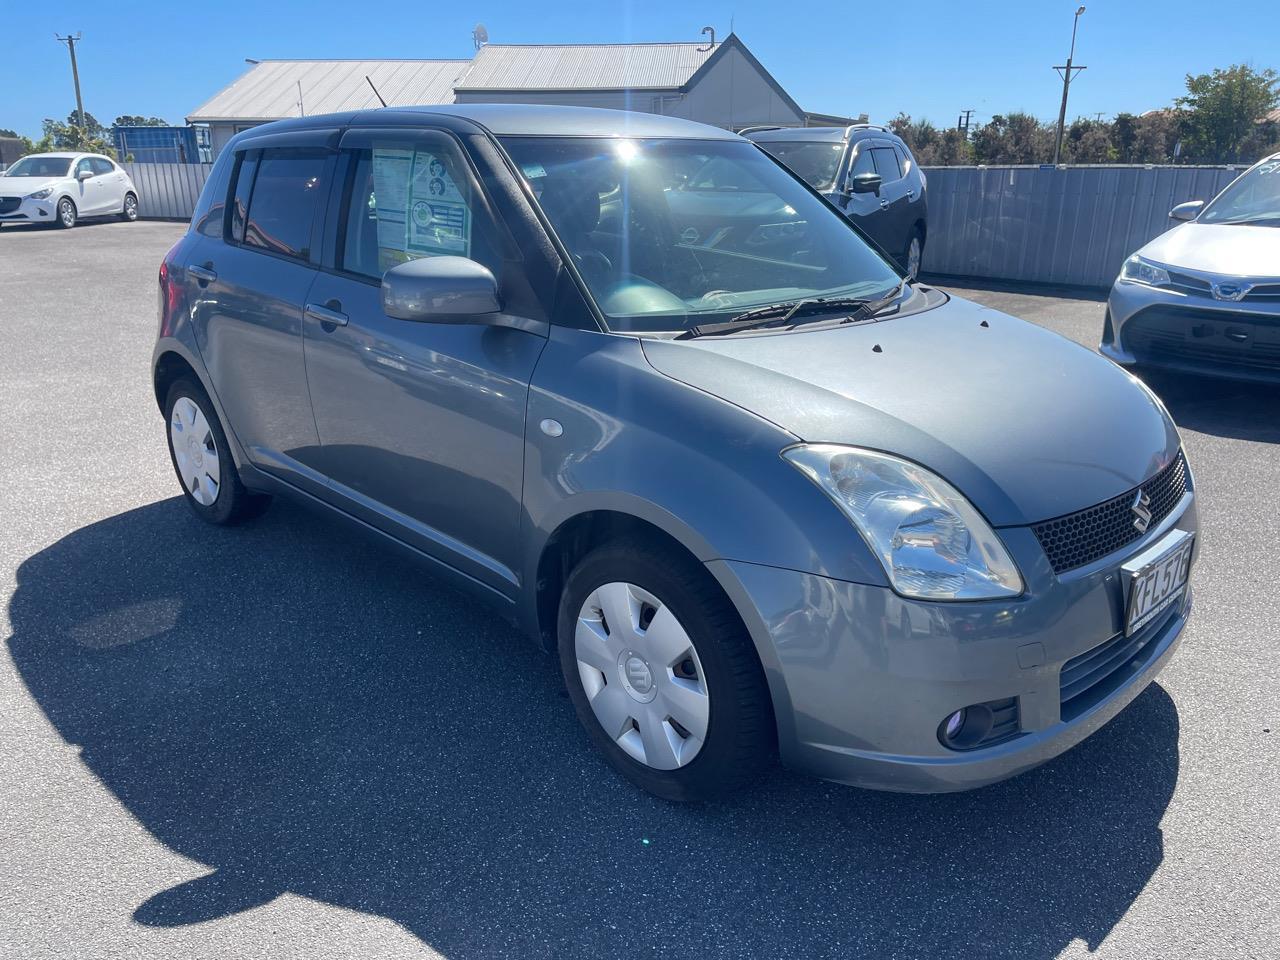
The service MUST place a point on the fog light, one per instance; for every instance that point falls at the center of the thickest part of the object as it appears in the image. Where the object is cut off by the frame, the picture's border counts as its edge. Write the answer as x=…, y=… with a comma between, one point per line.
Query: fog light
x=966, y=728
x=951, y=726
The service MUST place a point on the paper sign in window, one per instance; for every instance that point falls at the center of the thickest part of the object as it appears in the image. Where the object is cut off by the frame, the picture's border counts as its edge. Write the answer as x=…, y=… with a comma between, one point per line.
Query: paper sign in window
x=421, y=212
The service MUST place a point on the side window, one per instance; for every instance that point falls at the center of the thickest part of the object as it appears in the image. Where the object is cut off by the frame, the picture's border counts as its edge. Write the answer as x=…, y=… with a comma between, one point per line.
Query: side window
x=282, y=204
x=411, y=198
x=887, y=164
x=246, y=167
x=862, y=162
x=904, y=159
x=82, y=166
x=101, y=165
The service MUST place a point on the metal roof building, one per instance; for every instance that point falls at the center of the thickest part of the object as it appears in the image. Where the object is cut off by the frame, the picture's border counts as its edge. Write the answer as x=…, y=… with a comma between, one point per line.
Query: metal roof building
x=276, y=89
x=722, y=84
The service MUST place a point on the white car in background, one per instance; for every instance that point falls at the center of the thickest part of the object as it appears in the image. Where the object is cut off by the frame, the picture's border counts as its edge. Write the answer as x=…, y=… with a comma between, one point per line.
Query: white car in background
x=62, y=188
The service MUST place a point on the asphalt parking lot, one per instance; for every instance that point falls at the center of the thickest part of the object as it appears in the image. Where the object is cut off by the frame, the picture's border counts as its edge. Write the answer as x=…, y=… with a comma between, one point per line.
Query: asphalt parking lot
x=280, y=741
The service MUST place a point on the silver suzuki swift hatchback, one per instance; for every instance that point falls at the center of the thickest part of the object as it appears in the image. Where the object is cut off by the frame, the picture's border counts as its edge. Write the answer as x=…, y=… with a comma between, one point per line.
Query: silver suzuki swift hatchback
x=637, y=384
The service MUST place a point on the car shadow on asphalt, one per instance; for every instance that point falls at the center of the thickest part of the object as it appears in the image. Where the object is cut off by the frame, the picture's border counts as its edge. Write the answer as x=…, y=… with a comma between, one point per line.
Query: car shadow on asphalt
x=1224, y=408
x=305, y=712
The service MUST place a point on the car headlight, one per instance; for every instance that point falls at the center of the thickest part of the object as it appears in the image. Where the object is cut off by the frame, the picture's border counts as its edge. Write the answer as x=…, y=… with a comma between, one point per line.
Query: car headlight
x=1144, y=271
x=932, y=542
x=40, y=194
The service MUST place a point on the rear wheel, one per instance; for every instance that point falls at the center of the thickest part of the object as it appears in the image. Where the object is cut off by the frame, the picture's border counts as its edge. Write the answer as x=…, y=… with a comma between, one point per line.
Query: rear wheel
x=202, y=459
x=662, y=673
x=912, y=255
x=130, y=210
x=66, y=213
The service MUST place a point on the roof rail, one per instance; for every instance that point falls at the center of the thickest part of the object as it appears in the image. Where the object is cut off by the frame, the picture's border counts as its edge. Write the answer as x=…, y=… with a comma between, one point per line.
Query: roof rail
x=758, y=129
x=867, y=126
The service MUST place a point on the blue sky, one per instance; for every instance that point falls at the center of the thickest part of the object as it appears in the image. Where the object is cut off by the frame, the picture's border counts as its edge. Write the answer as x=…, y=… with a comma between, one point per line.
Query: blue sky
x=927, y=58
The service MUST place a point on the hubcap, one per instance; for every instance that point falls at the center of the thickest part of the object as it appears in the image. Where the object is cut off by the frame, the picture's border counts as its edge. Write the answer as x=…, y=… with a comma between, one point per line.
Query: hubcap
x=194, y=451
x=130, y=207
x=68, y=213
x=642, y=676
x=913, y=258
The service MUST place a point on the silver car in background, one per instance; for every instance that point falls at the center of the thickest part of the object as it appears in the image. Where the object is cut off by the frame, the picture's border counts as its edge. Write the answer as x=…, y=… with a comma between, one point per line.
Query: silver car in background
x=1204, y=297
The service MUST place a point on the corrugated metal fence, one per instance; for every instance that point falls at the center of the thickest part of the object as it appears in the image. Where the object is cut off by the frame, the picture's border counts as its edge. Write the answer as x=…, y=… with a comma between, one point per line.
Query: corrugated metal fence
x=167, y=191
x=1070, y=226
x=1073, y=225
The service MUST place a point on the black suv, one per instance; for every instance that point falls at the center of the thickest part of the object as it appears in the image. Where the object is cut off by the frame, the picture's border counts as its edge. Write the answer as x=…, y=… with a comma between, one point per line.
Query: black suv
x=867, y=172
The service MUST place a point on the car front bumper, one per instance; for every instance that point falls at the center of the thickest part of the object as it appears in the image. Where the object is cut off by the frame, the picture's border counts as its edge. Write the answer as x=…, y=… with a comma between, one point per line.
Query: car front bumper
x=861, y=678
x=1161, y=327
x=30, y=211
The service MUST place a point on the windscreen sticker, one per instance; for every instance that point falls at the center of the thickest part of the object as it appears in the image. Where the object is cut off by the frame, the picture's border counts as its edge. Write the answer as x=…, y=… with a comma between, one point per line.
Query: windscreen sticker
x=421, y=212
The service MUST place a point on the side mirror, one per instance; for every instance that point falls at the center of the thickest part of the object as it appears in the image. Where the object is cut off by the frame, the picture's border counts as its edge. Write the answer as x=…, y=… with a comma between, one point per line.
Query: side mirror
x=865, y=183
x=84, y=174
x=444, y=289
x=1187, y=211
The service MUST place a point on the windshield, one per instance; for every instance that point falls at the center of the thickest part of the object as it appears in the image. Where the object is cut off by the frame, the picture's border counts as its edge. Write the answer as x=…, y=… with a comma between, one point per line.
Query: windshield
x=1254, y=198
x=40, y=167
x=668, y=234
x=815, y=163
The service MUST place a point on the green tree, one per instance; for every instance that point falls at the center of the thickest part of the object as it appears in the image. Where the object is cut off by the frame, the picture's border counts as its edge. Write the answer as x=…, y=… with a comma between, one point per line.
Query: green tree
x=1222, y=111
x=1016, y=138
x=132, y=120
x=70, y=136
x=1089, y=141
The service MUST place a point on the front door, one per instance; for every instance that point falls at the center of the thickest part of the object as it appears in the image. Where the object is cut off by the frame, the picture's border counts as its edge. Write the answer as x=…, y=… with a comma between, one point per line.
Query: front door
x=421, y=423
x=89, y=201
x=868, y=210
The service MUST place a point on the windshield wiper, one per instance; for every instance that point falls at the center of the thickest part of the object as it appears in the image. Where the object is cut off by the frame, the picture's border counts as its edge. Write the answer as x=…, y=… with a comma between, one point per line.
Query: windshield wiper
x=776, y=314
x=871, y=308
x=1270, y=221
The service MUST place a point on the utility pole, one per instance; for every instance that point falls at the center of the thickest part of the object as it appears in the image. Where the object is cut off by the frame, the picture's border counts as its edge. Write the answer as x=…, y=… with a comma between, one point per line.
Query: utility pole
x=71, y=42
x=1066, y=72
x=962, y=124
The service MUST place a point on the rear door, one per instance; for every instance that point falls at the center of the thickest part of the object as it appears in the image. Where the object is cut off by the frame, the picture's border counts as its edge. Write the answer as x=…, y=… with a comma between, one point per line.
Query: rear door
x=250, y=283
x=421, y=424
x=111, y=180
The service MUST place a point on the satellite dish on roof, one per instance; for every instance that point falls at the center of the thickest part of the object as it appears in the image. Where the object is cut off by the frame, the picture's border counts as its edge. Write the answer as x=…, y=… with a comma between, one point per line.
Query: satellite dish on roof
x=480, y=35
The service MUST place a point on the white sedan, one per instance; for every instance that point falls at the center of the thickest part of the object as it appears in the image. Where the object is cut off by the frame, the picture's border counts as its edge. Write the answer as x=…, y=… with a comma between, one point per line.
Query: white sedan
x=61, y=188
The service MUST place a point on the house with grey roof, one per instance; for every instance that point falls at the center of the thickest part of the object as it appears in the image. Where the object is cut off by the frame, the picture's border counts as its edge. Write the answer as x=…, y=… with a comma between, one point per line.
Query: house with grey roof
x=722, y=84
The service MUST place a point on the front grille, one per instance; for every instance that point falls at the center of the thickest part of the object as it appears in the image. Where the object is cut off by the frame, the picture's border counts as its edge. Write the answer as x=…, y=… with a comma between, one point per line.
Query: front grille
x=1220, y=337
x=9, y=204
x=1091, y=534
x=1264, y=292
x=1096, y=674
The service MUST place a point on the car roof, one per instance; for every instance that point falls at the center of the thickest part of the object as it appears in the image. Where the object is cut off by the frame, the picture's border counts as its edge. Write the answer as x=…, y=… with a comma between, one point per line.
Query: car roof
x=857, y=131
x=67, y=155
x=523, y=119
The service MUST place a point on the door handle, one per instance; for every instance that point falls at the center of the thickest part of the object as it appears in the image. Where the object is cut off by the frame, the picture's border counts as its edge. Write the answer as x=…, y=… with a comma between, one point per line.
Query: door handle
x=203, y=274
x=327, y=315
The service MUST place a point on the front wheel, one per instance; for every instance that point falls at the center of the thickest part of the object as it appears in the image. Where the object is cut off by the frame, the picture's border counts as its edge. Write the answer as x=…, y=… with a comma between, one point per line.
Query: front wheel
x=202, y=459
x=66, y=214
x=662, y=673
x=129, y=212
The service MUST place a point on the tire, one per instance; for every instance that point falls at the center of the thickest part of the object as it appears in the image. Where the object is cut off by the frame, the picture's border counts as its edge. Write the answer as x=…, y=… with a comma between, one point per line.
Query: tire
x=130, y=211
x=203, y=461
x=66, y=218
x=911, y=259
x=740, y=739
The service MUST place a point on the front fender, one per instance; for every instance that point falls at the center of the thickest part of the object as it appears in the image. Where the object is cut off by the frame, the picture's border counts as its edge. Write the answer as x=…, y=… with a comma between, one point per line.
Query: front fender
x=703, y=470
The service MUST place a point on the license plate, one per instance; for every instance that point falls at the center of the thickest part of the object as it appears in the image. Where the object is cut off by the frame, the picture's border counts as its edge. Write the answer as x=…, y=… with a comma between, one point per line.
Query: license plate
x=1157, y=577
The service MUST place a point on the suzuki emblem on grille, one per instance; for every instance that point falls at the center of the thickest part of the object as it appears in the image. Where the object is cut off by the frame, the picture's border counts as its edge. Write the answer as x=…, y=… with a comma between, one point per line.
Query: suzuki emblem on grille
x=1141, y=511
x=1230, y=290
